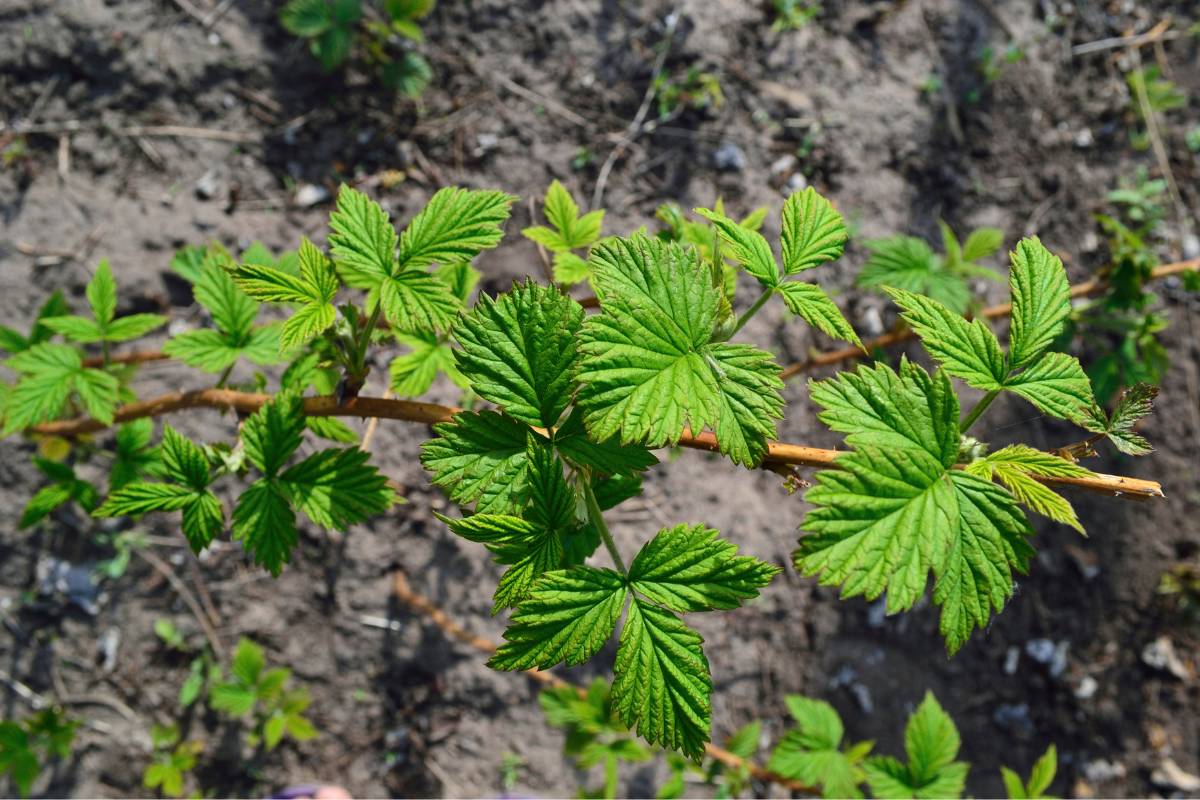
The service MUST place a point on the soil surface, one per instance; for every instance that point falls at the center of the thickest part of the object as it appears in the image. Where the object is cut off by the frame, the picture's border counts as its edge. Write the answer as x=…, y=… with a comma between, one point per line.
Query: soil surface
x=525, y=92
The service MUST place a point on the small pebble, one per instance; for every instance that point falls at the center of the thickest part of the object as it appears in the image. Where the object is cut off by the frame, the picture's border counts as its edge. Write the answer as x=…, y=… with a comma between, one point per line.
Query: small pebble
x=1087, y=688
x=1085, y=138
x=729, y=158
x=1160, y=654
x=1011, y=659
x=796, y=183
x=1101, y=770
x=206, y=186
x=1191, y=246
x=310, y=194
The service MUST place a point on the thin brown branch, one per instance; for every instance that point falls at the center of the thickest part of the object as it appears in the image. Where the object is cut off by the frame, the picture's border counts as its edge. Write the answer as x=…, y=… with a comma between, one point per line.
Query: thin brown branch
x=1084, y=289
x=430, y=413
x=422, y=605
x=164, y=569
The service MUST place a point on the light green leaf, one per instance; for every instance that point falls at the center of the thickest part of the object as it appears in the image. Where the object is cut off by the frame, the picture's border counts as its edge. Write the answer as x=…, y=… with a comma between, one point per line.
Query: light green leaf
x=662, y=683
x=305, y=324
x=931, y=742
x=897, y=511
x=75, y=329
x=518, y=351
x=1016, y=466
x=415, y=300
x=456, y=225
x=649, y=370
x=1056, y=384
x=133, y=326
x=363, y=239
x=207, y=349
x=982, y=243
x=271, y=285
x=813, y=232
x=747, y=247
x=50, y=373
x=102, y=294
x=811, y=752
x=413, y=373
x=570, y=269
x=809, y=302
x=567, y=617
x=688, y=568
x=1041, y=301
x=231, y=310
x=906, y=262
x=967, y=350
x=183, y=460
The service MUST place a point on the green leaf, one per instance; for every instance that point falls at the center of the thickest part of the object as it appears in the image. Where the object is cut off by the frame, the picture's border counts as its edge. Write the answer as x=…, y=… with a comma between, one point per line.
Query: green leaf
x=982, y=243
x=363, y=239
x=271, y=285
x=906, y=262
x=662, y=683
x=967, y=350
x=1016, y=466
x=75, y=329
x=43, y=502
x=1041, y=301
x=207, y=349
x=809, y=302
x=518, y=351
x=142, y=498
x=897, y=510
x=570, y=231
x=417, y=301
x=135, y=456
x=414, y=372
x=747, y=247
x=567, y=617
x=1135, y=403
x=456, y=225
x=479, y=458
x=307, y=323
x=337, y=487
x=609, y=457
x=649, y=369
x=811, y=752
x=183, y=460
x=688, y=568
x=133, y=326
x=813, y=232
x=232, y=311
x=1012, y=784
x=50, y=373
x=306, y=18
x=99, y=393
x=1042, y=774
x=931, y=742
x=1056, y=384
x=271, y=434
x=570, y=269
x=102, y=294
x=265, y=523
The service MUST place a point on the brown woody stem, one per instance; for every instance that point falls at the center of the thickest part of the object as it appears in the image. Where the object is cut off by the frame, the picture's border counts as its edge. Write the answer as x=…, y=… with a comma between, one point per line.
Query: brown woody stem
x=430, y=413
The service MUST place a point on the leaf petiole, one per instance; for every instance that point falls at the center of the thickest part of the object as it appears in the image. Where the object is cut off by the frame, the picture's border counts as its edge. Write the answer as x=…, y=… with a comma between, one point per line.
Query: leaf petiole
x=752, y=310
x=976, y=412
x=597, y=519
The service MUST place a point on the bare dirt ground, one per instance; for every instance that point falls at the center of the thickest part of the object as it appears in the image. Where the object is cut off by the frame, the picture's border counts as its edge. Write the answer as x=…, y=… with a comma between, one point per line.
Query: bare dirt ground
x=403, y=710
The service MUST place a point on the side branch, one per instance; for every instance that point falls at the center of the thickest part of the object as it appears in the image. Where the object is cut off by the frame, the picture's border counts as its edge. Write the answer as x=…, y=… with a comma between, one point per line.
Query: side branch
x=431, y=413
x=422, y=605
x=1084, y=289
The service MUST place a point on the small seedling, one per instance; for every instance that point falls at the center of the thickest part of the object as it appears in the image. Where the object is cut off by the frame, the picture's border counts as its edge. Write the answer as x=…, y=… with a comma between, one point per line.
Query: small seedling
x=908, y=262
x=381, y=33
x=28, y=746
x=173, y=761
x=263, y=693
x=792, y=15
